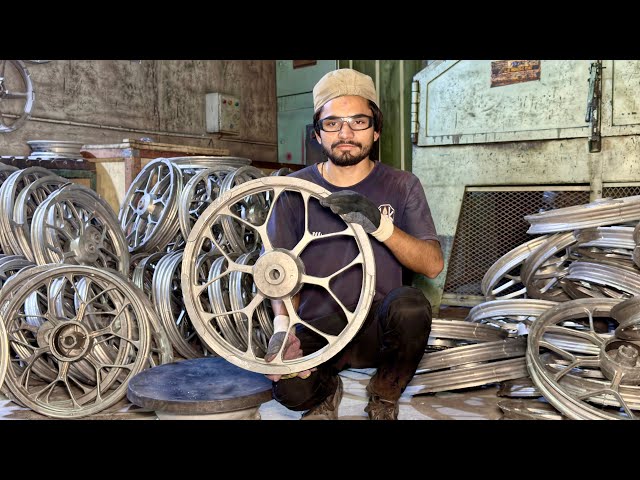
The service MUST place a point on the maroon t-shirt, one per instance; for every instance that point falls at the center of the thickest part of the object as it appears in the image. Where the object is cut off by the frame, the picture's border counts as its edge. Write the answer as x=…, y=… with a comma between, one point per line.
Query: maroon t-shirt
x=397, y=193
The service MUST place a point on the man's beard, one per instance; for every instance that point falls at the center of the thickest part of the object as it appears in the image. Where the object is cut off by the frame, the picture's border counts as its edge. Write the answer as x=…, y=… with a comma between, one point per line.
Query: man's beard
x=346, y=159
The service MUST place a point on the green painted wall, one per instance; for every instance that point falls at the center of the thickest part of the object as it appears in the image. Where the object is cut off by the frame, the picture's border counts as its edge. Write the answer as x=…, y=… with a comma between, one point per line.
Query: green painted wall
x=393, y=80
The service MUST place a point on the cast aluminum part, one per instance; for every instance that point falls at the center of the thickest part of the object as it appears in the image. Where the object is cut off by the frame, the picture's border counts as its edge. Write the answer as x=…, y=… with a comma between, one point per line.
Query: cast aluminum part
x=616, y=257
x=107, y=320
x=627, y=314
x=284, y=171
x=636, y=256
x=480, y=352
x=470, y=365
x=12, y=264
x=16, y=95
x=199, y=192
x=5, y=171
x=518, y=388
x=74, y=225
x=599, y=213
x=625, y=281
x=608, y=245
x=242, y=290
x=278, y=274
x=472, y=375
x=217, y=295
x=528, y=410
x=142, y=274
x=613, y=237
x=510, y=314
x=149, y=212
x=53, y=149
x=27, y=201
x=465, y=331
x=616, y=359
x=169, y=303
x=160, y=348
x=237, y=236
x=9, y=191
x=504, y=274
x=588, y=381
x=64, y=305
x=197, y=162
x=4, y=352
x=542, y=270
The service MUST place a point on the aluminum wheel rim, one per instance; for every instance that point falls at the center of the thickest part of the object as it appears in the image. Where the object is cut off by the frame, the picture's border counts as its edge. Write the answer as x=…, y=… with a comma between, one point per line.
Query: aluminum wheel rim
x=72, y=339
x=559, y=387
x=221, y=210
x=15, y=84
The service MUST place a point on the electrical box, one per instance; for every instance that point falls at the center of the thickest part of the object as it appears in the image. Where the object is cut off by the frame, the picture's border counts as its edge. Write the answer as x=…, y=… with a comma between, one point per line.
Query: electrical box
x=222, y=114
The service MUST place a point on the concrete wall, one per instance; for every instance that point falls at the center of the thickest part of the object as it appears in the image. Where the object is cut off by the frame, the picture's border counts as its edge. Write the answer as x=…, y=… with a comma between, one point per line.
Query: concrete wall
x=105, y=101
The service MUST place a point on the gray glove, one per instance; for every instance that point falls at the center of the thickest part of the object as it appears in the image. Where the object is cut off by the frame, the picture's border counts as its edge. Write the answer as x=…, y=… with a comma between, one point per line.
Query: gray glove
x=354, y=208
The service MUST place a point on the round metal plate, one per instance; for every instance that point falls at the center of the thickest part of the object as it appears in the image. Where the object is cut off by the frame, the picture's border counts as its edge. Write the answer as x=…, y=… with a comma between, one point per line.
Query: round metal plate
x=199, y=386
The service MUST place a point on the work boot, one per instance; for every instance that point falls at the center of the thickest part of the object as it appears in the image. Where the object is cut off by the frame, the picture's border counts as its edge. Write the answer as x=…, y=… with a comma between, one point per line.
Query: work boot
x=381, y=409
x=328, y=408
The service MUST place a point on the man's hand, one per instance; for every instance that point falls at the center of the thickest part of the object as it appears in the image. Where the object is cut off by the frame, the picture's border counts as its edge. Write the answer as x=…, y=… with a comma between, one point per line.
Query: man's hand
x=356, y=208
x=291, y=349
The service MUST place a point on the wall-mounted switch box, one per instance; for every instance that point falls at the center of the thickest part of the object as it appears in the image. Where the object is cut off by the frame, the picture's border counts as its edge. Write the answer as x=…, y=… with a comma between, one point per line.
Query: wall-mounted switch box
x=222, y=113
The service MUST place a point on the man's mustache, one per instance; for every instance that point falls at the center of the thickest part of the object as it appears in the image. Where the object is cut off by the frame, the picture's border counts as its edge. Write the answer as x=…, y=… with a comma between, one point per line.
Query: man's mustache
x=346, y=143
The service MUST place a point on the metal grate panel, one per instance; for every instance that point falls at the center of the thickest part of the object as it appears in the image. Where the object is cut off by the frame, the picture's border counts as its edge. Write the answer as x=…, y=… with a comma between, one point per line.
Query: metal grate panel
x=491, y=223
x=620, y=191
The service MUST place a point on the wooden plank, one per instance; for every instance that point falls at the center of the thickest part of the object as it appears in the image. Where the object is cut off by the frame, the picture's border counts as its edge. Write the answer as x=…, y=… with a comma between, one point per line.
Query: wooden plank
x=131, y=170
x=108, y=149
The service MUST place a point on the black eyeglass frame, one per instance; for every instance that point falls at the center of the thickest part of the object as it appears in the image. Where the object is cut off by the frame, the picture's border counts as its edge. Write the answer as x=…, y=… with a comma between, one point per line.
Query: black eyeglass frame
x=348, y=120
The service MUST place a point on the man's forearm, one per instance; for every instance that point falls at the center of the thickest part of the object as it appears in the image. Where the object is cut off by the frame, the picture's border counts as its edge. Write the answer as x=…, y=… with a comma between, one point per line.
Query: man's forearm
x=421, y=256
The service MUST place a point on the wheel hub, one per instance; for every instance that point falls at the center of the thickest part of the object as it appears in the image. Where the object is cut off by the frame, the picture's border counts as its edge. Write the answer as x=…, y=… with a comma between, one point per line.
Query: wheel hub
x=620, y=358
x=277, y=274
x=87, y=246
x=145, y=205
x=69, y=341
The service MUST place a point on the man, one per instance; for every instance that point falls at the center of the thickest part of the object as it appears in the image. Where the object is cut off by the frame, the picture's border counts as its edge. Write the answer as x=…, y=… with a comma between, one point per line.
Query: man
x=393, y=337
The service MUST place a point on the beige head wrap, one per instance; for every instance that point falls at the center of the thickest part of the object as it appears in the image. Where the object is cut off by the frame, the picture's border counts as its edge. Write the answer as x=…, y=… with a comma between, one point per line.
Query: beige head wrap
x=344, y=81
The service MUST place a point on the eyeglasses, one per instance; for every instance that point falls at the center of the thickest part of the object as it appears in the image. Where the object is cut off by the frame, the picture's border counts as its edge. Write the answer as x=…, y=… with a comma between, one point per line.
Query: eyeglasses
x=356, y=122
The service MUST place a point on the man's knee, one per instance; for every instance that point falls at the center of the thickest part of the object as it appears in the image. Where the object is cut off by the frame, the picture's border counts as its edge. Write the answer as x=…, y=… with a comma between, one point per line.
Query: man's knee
x=291, y=394
x=301, y=394
x=409, y=306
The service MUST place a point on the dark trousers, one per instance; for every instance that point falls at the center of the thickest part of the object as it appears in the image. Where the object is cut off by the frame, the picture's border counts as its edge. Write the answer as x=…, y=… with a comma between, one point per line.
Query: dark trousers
x=392, y=339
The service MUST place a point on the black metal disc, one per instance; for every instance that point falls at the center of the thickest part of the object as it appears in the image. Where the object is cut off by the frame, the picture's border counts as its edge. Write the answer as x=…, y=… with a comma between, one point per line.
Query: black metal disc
x=199, y=386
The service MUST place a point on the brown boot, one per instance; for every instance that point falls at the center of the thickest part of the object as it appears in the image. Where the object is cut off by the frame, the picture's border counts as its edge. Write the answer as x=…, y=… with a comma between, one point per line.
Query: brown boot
x=380, y=408
x=328, y=408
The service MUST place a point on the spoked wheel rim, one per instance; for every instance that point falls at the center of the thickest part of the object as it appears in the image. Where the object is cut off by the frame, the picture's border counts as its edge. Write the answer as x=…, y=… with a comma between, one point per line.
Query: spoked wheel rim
x=580, y=381
x=278, y=274
x=115, y=350
x=16, y=95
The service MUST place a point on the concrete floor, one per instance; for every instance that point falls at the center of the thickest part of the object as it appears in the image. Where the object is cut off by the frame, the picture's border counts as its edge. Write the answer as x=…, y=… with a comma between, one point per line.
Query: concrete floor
x=469, y=404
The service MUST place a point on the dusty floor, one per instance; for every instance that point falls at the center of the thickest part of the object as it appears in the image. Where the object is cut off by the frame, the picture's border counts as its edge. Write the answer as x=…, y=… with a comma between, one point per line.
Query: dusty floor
x=469, y=404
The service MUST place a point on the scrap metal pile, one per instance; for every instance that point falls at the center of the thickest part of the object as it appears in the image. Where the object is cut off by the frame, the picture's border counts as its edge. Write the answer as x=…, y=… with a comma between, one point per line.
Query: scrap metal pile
x=569, y=298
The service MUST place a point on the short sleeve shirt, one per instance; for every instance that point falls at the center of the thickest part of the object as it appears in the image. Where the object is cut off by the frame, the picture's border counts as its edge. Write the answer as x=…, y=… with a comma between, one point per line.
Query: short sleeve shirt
x=397, y=194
